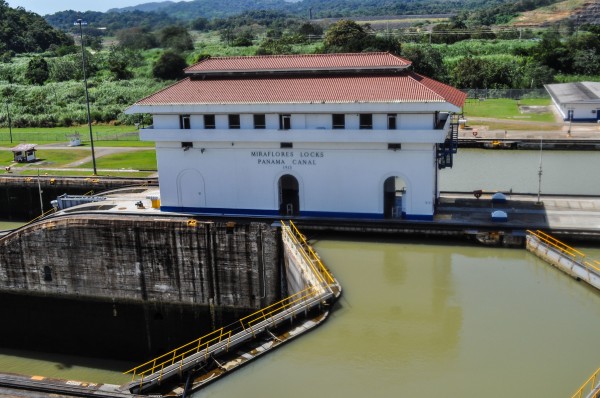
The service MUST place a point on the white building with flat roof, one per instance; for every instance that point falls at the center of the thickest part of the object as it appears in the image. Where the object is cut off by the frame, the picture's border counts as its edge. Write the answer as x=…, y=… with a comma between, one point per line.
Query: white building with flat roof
x=327, y=135
x=576, y=102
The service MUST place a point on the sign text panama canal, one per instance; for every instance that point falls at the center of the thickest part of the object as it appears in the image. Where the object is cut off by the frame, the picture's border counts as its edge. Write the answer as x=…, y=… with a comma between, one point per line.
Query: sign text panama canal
x=287, y=159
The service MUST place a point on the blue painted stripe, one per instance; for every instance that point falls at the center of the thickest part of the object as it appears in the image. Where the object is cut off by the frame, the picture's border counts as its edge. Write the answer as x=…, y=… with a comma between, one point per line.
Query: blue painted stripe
x=582, y=120
x=275, y=213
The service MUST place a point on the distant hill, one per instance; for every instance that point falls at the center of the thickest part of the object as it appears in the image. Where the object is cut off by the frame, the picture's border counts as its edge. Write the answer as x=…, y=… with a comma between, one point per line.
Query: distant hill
x=146, y=7
x=189, y=10
x=578, y=11
x=23, y=31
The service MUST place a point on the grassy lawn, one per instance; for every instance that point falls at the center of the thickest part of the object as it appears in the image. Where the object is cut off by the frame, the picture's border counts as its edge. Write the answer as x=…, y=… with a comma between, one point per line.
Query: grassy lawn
x=114, y=135
x=138, y=160
x=79, y=173
x=508, y=109
x=47, y=157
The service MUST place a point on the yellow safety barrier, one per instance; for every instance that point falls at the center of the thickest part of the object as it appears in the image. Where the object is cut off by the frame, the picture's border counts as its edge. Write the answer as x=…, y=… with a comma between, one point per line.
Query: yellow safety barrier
x=180, y=353
x=203, y=343
x=41, y=216
x=589, y=386
x=566, y=249
x=313, y=257
x=274, y=309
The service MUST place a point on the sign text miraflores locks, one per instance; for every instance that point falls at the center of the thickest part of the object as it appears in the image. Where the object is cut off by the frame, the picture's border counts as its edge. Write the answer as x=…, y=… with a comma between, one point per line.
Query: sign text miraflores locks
x=287, y=159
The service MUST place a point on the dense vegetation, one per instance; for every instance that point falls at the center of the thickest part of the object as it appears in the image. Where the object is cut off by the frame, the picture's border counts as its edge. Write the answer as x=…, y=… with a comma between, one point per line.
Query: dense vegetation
x=501, y=9
x=22, y=31
x=141, y=52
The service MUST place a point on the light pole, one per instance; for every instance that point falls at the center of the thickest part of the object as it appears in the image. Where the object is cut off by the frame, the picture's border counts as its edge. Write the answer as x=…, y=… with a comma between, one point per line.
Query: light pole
x=80, y=22
x=9, y=121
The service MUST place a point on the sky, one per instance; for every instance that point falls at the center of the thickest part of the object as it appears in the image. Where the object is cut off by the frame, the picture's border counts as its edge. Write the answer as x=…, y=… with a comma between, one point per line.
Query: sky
x=44, y=7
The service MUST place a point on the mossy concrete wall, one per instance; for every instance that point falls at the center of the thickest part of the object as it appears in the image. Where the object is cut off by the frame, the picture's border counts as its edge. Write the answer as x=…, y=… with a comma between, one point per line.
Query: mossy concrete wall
x=145, y=258
x=132, y=287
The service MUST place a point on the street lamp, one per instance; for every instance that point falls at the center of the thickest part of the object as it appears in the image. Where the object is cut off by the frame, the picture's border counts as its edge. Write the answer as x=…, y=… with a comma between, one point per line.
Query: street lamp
x=80, y=22
x=9, y=122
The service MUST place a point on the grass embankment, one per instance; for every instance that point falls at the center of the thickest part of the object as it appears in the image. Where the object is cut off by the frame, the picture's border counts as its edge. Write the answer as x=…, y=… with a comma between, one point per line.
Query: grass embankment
x=509, y=114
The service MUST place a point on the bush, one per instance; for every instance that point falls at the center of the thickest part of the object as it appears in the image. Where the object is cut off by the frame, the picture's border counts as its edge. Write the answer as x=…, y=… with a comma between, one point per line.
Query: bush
x=169, y=66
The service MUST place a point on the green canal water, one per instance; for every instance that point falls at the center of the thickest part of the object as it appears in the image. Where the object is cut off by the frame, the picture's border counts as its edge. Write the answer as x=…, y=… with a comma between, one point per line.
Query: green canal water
x=431, y=320
x=416, y=319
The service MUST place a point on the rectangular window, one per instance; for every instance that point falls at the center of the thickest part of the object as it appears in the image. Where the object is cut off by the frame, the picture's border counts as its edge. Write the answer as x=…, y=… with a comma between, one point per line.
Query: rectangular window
x=338, y=121
x=234, y=121
x=184, y=122
x=391, y=122
x=366, y=121
x=285, y=122
x=286, y=145
x=209, y=121
x=260, y=122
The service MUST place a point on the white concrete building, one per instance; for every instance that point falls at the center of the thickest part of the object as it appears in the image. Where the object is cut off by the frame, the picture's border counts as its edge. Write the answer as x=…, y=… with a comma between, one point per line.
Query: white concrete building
x=576, y=102
x=331, y=135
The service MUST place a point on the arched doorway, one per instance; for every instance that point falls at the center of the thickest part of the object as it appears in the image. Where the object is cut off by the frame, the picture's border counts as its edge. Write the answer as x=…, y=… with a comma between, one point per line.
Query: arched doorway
x=289, y=196
x=190, y=189
x=394, y=195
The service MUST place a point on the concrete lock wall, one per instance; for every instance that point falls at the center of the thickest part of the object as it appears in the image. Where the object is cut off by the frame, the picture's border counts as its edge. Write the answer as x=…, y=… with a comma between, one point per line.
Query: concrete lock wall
x=20, y=196
x=144, y=259
x=132, y=287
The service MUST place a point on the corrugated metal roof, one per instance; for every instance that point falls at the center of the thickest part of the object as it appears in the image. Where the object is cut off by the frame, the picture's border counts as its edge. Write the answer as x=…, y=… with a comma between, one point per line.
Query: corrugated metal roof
x=399, y=87
x=24, y=148
x=313, y=62
x=575, y=92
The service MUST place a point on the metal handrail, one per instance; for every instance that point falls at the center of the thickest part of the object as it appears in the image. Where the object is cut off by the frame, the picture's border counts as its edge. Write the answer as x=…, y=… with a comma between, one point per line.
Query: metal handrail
x=292, y=303
x=179, y=353
x=299, y=236
x=589, y=383
x=575, y=254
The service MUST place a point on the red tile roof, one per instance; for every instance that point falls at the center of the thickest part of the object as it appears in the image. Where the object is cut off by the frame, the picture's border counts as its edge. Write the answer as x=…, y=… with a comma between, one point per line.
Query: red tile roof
x=312, y=62
x=399, y=87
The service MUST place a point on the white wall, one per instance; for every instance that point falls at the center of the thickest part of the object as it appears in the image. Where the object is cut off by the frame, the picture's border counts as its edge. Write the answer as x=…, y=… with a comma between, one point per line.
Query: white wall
x=336, y=181
x=405, y=121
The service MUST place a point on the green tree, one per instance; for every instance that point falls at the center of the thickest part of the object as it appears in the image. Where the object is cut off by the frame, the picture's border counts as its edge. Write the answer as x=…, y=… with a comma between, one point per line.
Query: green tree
x=136, y=39
x=273, y=47
x=169, y=66
x=119, y=60
x=345, y=36
x=176, y=38
x=37, y=71
x=426, y=60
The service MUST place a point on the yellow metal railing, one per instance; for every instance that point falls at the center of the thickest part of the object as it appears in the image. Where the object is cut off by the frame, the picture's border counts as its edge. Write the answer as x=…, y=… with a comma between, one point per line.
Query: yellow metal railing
x=203, y=343
x=158, y=364
x=567, y=250
x=276, y=308
x=309, y=254
x=41, y=216
x=589, y=386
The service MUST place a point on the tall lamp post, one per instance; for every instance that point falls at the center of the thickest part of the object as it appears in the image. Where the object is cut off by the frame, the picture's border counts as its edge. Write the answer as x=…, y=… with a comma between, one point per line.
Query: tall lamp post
x=80, y=22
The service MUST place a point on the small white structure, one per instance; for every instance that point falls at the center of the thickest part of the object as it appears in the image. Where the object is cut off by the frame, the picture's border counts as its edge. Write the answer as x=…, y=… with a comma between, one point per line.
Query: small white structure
x=74, y=140
x=24, y=153
x=332, y=135
x=576, y=102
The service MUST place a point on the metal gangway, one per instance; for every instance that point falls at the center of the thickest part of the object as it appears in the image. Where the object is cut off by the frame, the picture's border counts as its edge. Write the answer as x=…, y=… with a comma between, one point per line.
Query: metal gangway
x=564, y=257
x=577, y=264
x=591, y=387
x=320, y=288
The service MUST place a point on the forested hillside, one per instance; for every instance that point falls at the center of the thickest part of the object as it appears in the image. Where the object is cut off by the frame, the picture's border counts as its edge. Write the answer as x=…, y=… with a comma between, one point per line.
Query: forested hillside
x=22, y=31
x=493, y=11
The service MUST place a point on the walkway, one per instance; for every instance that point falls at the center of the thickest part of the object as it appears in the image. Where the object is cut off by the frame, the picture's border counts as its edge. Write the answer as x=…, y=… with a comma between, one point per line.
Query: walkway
x=204, y=352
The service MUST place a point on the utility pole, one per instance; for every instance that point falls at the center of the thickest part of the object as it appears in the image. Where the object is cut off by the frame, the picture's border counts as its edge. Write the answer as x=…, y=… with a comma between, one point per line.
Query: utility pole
x=80, y=22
